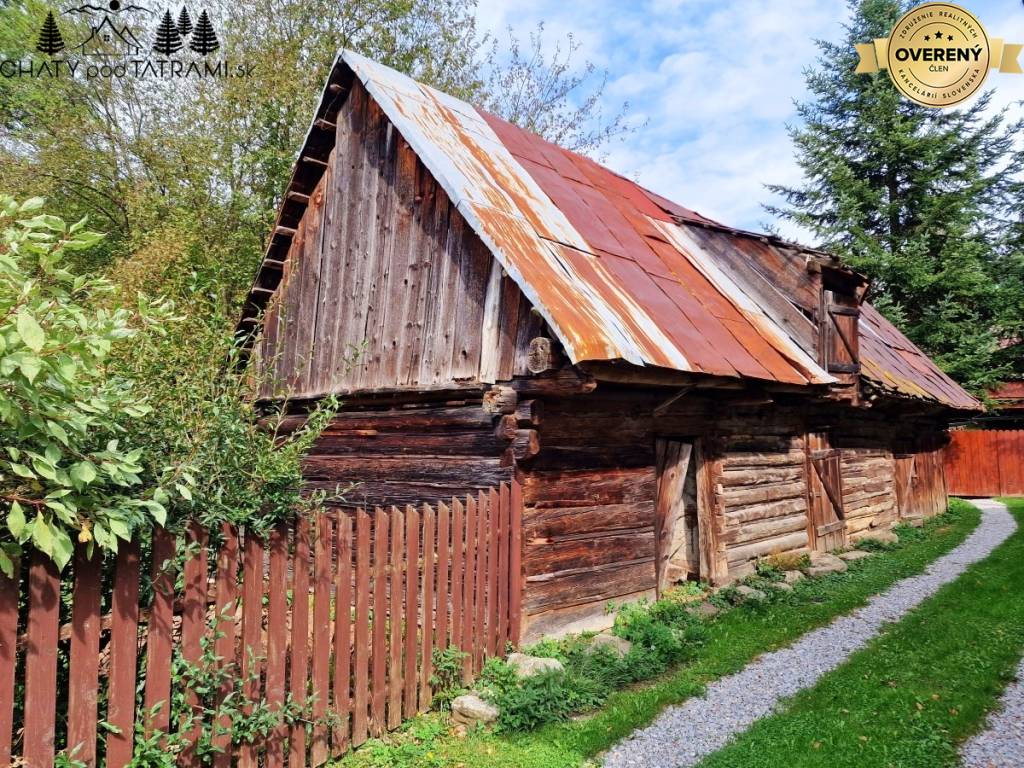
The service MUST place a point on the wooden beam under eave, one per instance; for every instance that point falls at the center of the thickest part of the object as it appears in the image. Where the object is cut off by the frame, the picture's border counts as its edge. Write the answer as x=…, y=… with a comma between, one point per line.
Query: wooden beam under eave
x=297, y=197
x=324, y=125
x=284, y=231
x=314, y=162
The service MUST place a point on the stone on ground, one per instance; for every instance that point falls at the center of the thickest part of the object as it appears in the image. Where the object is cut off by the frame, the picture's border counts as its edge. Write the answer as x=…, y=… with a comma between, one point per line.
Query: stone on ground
x=616, y=645
x=823, y=563
x=914, y=522
x=469, y=710
x=782, y=586
x=705, y=610
x=884, y=536
x=854, y=554
x=528, y=666
x=749, y=593
x=792, y=577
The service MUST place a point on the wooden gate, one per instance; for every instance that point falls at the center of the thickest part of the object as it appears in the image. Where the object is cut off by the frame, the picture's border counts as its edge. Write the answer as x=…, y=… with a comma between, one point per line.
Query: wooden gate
x=985, y=462
x=326, y=629
x=826, y=520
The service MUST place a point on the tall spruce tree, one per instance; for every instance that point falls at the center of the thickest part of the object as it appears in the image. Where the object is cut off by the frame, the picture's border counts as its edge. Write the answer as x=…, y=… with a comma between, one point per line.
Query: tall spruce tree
x=914, y=197
x=168, y=40
x=50, y=41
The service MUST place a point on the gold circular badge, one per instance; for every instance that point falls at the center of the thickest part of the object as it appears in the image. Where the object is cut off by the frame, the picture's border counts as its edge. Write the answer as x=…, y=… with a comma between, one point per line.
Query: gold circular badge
x=938, y=54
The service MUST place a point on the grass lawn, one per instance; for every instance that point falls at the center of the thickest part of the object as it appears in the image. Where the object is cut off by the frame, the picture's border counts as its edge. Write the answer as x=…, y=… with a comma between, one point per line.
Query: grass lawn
x=733, y=640
x=917, y=691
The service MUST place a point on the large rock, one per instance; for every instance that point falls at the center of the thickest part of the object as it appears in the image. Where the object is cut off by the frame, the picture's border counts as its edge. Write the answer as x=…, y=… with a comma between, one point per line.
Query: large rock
x=750, y=594
x=823, y=563
x=705, y=610
x=470, y=710
x=884, y=536
x=616, y=645
x=792, y=577
x=854, y=554
x=528, y=666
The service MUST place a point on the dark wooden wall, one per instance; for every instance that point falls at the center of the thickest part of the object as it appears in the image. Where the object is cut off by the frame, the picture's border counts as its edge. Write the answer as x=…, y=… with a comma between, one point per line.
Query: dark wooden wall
x=385, y=286
x=590, y=494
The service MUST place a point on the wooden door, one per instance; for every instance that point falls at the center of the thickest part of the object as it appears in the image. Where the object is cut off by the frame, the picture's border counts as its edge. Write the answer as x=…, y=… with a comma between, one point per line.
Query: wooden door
x=827, y=523
x=676, y=524
x=905, y=485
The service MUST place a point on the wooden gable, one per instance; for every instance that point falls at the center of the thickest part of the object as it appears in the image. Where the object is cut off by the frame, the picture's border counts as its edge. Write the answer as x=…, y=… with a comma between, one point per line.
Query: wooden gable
x=385, y=287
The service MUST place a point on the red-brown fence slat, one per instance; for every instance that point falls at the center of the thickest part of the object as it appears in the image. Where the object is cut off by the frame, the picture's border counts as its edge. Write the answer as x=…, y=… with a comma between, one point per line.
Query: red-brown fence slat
x=158, y=633
x=83, y=675
x=41, y=662
x=321, y=690
x=253, y=589
x=458, y=547
x=362, y=629
x=515, y=563
x=493, y=535
x=226, y=607
x=277, y=640
x=503, y=566
x=443, y=583
x=378, y=653
x=299, y=666
x=469, y=593
x=396, y=592
x=427, y=622
x=193, y=627
x=124, y=648
x=412, y=544
x=343, y=634
x=480, y=620
x=8, y=658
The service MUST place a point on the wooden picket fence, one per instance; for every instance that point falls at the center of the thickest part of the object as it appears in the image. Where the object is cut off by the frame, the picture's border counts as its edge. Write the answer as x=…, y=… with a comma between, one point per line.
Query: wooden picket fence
x=384, y=587
x=985, y=462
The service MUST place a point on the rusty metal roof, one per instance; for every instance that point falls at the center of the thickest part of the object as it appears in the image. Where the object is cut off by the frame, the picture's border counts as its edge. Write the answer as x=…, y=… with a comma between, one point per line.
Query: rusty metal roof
x=892, y=362
x=605, y=264
x=611, y=266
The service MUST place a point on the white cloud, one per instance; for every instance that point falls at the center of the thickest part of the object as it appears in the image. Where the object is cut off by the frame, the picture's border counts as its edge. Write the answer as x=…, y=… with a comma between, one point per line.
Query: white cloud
x=715, y=82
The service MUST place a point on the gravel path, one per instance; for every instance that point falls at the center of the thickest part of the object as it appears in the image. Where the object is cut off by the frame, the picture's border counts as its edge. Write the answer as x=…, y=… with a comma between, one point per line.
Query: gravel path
x=1001, y=744
x=683, y=735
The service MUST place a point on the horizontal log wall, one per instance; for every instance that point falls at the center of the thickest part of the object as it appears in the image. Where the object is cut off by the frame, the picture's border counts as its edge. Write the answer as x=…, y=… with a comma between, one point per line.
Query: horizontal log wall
x=401, y=455
x=762, y=490
x=869, y=492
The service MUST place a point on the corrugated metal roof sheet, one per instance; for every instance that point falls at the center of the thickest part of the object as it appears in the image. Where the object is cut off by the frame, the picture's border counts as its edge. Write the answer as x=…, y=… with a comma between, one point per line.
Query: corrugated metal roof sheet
x=892, y=362
x=611, y=266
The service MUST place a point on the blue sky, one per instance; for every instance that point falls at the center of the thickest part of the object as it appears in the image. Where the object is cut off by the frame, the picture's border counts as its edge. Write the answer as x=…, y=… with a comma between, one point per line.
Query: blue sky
x=715, y=80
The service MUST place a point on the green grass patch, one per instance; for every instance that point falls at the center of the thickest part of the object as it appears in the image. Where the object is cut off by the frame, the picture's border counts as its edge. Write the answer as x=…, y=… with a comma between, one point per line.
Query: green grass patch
x=916, y=691
x=729, y=643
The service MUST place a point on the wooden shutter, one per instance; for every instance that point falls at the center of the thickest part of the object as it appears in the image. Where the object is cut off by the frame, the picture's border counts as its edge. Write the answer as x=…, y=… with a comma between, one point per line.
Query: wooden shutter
x=840, y=334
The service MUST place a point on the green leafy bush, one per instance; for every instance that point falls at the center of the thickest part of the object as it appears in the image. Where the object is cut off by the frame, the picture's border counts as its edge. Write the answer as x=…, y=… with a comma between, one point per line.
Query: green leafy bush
x=68, y=469
x=446, y=678
x=527, y=703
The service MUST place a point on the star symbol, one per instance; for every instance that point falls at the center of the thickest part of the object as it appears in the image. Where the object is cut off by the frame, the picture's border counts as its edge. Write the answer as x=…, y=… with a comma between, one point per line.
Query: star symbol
x=938, y=35
x=927, y=37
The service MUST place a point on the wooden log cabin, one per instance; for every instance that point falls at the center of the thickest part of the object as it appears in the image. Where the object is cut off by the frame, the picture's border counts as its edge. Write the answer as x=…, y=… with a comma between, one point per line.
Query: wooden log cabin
x=678, y=398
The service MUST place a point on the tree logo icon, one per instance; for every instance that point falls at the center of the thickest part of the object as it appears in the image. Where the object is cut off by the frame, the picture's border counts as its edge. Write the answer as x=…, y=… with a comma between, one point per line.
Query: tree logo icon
x=168, y=39
x=204, y=39
x=50, y=41
x=184, y=22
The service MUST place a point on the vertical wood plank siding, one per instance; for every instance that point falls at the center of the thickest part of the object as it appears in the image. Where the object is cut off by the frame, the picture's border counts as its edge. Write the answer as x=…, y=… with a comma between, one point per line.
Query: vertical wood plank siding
x=395, y=303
